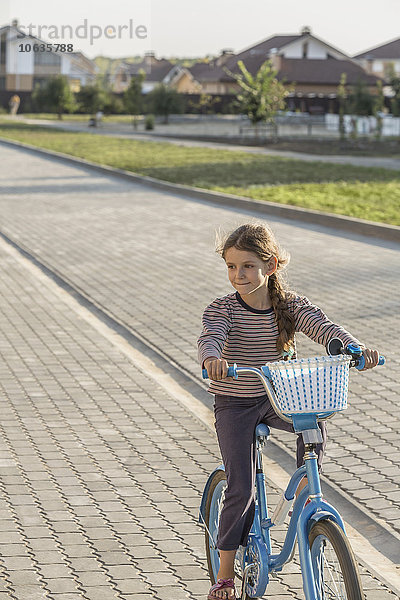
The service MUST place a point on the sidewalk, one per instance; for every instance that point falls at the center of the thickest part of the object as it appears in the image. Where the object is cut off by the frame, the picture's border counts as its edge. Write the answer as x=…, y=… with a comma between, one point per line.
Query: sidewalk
x=101, y=471
x=118, y=243
x=166, y=134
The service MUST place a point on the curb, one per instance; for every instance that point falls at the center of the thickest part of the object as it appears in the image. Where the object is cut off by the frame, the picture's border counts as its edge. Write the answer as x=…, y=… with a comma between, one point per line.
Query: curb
x=349, y=224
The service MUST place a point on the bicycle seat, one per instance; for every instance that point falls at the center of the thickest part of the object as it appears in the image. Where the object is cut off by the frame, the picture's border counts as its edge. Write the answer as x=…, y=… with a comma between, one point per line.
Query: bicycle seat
x=262, y=430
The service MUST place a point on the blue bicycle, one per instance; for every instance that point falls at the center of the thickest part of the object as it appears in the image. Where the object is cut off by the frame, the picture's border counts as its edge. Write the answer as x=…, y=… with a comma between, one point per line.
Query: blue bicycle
x=303, y=391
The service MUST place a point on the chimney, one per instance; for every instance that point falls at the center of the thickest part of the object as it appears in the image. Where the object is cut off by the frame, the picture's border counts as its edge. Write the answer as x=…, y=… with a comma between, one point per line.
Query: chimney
x=226, y=53
x=150, y=59
x=369, y=60
x=306, y=30
x=275, y=58
x=14, y=23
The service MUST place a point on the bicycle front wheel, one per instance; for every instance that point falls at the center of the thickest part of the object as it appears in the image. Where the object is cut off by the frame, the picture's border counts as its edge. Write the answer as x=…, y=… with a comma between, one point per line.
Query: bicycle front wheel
x=336, y=573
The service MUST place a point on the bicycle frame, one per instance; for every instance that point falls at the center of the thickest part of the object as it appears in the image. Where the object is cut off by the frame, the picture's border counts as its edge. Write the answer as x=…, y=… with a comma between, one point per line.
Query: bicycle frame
x=300, y=522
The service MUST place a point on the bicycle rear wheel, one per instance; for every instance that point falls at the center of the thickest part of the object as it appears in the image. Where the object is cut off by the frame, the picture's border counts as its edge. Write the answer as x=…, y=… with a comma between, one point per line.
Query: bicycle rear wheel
x=212, y=512
x=335, y=569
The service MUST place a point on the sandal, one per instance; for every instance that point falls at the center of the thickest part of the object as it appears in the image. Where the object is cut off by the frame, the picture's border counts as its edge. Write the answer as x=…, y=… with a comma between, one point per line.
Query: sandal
x=222, y=584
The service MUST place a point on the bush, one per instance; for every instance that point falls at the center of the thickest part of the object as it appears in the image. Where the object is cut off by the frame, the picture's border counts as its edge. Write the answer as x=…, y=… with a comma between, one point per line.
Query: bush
x=165, y=101
x=54, y=97
x=149, y=122
x=115, y=106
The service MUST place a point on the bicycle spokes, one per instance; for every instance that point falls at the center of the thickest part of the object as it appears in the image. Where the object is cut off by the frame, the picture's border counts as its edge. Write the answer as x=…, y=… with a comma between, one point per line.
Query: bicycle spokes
x=329, y=579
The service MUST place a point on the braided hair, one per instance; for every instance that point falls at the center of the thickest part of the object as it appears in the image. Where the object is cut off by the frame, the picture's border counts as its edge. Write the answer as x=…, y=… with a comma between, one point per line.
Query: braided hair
x=260, y=240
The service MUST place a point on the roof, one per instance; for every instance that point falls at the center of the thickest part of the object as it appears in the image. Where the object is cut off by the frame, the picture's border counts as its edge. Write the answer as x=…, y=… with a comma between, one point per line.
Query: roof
x=328, y=72
x=281, y=41
x=155, y=70
x=207, y=72
x=293, y=70
x=389, y=50
x=254, y=57
x=276, y=41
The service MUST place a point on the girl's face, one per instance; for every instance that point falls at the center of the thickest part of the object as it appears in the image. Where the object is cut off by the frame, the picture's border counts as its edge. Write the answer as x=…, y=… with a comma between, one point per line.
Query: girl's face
x=246, y=271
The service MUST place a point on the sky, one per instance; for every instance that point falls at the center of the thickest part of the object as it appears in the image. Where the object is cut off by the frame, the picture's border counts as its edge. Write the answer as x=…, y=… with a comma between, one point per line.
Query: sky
x=185, y=28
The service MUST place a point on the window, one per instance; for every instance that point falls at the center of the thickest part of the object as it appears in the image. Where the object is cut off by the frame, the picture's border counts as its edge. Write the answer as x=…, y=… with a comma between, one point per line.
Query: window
x=75, y=85
x=2, y=83
x=47, y=58
x=3, y=49
x=305, y=49
x=40, y=81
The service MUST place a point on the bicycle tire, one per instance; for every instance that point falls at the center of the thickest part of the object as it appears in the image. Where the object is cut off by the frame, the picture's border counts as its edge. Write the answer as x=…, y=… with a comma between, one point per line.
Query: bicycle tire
x=214, y=496
x=330, y=548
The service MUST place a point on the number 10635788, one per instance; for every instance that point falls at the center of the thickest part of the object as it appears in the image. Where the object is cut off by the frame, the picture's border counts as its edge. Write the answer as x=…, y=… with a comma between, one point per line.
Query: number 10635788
x=27, y=47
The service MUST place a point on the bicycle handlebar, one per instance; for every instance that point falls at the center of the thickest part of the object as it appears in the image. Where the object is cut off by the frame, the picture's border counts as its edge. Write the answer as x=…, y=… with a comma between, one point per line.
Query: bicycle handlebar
x=358, y=361
x=233, y=371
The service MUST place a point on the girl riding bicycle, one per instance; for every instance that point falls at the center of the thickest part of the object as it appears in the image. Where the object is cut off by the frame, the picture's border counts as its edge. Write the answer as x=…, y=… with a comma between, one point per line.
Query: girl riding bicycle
x=250, y=327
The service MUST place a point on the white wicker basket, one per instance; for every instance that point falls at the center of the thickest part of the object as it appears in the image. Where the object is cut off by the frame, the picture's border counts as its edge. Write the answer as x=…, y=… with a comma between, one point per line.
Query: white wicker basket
x=318, y=384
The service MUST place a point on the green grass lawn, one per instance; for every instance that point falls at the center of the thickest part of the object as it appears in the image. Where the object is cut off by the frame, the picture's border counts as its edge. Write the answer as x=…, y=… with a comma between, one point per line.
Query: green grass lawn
x=76, y=117
x=366, y=193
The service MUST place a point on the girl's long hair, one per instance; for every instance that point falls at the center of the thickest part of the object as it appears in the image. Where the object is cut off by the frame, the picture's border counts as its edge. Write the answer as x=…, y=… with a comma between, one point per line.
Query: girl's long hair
x=259, y=239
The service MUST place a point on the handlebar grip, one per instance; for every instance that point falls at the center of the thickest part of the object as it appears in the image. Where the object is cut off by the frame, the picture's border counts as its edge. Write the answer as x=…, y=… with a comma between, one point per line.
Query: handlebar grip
x=232, y=372
x=360, y=364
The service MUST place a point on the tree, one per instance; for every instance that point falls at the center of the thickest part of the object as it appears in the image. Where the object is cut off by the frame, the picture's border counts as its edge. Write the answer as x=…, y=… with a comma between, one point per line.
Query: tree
x=205, y=104
x=91, y=98
x=379, y=103
x=361, y=101
x=55, y=96
x=394, y=82
x=165, y=101
x=261, y=95
x=342, y=99
x=133, y=100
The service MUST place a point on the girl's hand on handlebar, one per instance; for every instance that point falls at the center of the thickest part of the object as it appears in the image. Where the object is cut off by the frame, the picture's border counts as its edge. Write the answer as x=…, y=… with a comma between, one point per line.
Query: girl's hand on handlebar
x=217, y=368
x=371, y=358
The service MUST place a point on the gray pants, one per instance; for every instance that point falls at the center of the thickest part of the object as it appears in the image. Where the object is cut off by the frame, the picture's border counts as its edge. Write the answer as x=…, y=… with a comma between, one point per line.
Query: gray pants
x=235, y=423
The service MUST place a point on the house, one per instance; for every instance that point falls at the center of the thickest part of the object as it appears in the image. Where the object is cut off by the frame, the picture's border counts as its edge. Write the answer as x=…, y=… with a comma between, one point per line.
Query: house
x=21, y=67
x=376, y=61
x=156, y=71
x=303, y=61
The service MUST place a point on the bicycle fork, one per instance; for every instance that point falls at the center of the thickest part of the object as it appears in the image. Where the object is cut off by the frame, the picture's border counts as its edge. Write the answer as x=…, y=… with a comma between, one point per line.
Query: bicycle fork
x=316, y=510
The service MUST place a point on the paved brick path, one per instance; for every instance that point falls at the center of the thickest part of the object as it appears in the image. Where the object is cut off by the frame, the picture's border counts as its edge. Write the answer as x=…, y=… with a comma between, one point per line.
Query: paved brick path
x=147, y=257
x=80, y=424
x=100, y=471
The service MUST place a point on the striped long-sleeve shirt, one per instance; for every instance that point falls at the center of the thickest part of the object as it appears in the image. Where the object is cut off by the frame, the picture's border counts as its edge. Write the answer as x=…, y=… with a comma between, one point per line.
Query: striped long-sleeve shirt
x=247, y=336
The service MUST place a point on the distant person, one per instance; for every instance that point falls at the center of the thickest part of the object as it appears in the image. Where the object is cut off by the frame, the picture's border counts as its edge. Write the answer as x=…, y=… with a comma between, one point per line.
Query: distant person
x=99, y=117
x=14, y=104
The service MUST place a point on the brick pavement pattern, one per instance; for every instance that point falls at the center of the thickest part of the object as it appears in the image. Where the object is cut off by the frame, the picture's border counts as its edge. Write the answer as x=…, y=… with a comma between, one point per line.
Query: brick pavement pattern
x=101, y=471
x=147, y=258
